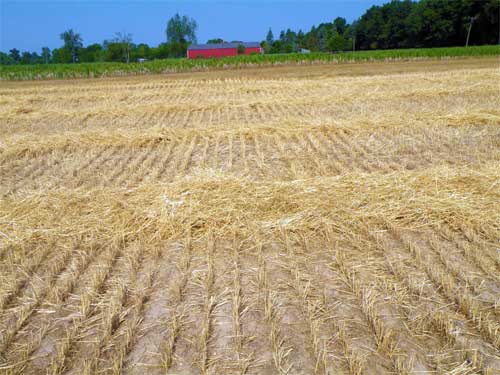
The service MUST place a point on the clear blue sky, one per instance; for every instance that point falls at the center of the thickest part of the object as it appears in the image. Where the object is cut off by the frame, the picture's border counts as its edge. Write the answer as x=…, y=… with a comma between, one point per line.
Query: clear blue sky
x=30, y=25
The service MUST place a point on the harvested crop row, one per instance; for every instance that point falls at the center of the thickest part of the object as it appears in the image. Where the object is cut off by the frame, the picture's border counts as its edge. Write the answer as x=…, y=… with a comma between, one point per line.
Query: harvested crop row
x=282, y=225
x=297, y=155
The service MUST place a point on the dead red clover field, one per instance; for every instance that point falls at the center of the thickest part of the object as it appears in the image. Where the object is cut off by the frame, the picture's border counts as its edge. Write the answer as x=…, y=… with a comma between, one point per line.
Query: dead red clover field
x=298, y=220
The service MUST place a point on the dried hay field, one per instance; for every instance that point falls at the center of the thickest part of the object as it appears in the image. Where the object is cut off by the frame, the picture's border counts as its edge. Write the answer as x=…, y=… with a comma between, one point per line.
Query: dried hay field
x=297, y=220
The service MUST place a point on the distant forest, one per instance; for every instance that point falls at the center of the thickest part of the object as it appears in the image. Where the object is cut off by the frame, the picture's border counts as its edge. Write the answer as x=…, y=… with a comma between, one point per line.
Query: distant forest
x=397, y=24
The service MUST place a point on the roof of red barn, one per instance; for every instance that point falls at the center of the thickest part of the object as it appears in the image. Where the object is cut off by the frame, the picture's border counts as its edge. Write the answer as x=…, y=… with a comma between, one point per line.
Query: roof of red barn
x=194, y=47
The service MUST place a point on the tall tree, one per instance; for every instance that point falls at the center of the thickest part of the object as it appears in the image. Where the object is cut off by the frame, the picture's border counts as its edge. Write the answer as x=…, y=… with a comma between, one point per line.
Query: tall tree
x=322, y=38
x=301, y=39
x=386, y=26
x=46, y=55
x=433, y=23
x=15, y=55
x=312, y=39
x=403, y=24
x=181, y=29
x=282, y=37
x=486, y=27
x=340, y=24
x=72, y=42
x=35, y=58
x=125, y=42
x=291, y=41
x=270, y=37
x=26, y=58
x=5, y=59
x=113, y=51
x=370, y=28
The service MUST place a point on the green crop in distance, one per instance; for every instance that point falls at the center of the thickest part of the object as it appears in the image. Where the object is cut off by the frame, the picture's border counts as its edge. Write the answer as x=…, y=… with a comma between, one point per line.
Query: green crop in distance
x=108, y=69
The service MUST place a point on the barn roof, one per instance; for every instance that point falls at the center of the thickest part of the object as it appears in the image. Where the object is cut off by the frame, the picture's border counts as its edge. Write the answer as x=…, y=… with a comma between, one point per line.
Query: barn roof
x=223, y=45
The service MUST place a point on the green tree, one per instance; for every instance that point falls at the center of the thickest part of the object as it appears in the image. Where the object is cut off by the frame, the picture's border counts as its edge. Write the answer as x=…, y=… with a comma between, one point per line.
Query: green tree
x=265, y=46
x=282, y=37
x=403, y=24
x=26, y=58
x=15, y=55
x=241, y=49
x=113, y=51
x=396, y=30
x=386, y=26
x=442, y=23
x=350, y=36
x=338, y=43
x=181, y=30
x=5, y=59
x=91, y=53
x=142, y=51
x=177, y=49
x=215, y=41
x=270, y=37
x=312, y=40
x=276, y=47
x=432, y=23
x=322, y=38
x=46, y=55
x=161, y=52
x=301, y=39
x=340, y=25
x=291, y=41
x=36, y=58
x=72, y=42
x=61, y=56
x=124, y=40
x=369, y=29
x=486, y=29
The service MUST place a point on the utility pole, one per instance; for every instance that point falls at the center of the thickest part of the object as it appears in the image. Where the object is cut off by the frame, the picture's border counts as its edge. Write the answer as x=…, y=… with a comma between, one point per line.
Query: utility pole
x=468, y=33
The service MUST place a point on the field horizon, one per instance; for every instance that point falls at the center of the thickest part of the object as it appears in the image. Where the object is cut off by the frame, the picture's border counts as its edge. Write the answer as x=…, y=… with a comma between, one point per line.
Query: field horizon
x=179, y=65
x=328, y=219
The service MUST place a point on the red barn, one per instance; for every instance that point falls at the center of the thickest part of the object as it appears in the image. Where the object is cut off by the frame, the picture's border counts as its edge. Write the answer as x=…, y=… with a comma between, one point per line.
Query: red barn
x=221, y=49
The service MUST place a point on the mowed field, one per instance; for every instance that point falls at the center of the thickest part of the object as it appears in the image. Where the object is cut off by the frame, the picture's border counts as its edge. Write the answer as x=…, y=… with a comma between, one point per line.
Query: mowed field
x=336, y=219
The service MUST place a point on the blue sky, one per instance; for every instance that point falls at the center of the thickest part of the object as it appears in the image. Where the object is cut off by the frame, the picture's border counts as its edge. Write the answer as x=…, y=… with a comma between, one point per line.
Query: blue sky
x=30, y=25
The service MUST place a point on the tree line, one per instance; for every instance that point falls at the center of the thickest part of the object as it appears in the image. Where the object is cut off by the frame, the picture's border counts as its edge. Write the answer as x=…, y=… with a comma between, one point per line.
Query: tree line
x=397, y=24
x=180, y=32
